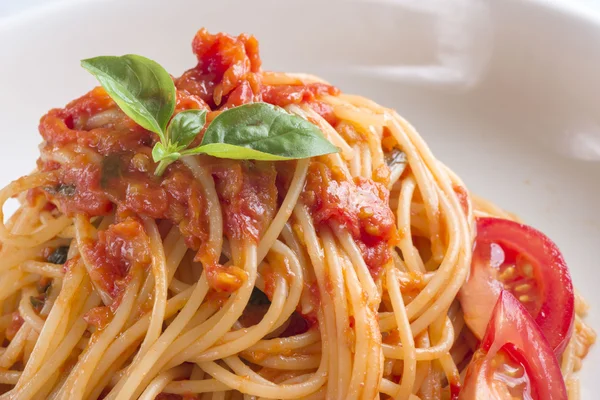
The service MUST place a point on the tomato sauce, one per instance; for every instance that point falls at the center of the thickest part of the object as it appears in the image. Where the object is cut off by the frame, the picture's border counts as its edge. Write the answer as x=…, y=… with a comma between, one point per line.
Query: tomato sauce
x=99, y=317
x=248, y=196
x=282, y=95
x=58, y=126
x=226, y=65
x=15, y=324
x=325, y=111
x=119, y=248
x=103, y=161
x=463, y=197
x=228, y=75
x=359, y=205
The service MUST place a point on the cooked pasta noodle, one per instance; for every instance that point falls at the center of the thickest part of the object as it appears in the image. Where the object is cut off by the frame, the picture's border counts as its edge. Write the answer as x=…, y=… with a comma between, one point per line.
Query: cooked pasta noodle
x=331, y=277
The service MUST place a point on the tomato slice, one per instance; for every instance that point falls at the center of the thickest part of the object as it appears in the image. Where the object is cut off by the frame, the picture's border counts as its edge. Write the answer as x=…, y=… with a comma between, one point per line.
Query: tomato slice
x=514, y=361
x=518, y=258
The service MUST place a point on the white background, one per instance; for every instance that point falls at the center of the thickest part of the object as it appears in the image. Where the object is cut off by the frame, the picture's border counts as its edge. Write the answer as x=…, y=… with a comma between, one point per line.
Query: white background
x=10, y=8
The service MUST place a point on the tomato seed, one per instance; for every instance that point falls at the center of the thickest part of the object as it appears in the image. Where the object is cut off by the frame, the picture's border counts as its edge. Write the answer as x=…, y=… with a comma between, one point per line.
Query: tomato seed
x=524, y=287
x=508, y=273
x=527, y=270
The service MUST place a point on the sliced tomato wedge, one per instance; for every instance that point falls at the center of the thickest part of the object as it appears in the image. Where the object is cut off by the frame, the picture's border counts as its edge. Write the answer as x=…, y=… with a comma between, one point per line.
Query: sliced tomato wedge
x=520, y=259
x=514, y=360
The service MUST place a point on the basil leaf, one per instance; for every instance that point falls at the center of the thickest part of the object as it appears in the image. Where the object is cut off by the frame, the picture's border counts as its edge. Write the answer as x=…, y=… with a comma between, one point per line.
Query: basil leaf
x=164, y=156
x=36, y=303
x=264, y=132
x=139, y=86
x=160, y=152
x=225, y=150
x=62, y=189
x=59, y=255
x=185, y=126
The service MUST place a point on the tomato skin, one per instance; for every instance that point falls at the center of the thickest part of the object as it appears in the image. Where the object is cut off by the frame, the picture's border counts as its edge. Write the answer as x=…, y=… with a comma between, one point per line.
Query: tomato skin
x=555, y=315
x=513, y=331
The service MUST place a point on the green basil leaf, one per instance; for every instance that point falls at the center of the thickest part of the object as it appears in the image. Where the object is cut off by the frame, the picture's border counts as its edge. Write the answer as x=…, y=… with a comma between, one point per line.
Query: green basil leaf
x=164, y=156
x=59, y=255
x=160, y=152
x=139, y=86
x=62, y=189
x=226, y=150
x=36, y=303
x=185, y=126
x=265, y=132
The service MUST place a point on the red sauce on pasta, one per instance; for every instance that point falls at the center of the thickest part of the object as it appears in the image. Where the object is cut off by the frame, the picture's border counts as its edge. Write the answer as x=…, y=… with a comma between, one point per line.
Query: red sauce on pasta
x=119, y=248
x=359, y=205
x=105, y=163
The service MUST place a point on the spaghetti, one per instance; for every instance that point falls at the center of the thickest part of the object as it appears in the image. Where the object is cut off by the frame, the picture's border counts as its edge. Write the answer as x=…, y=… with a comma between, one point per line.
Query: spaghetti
x=332, y=277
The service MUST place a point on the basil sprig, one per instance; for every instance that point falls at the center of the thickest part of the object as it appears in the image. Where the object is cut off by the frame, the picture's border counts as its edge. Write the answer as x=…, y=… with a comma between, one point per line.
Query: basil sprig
x=256, y=131
x=180, y=133
x=139, y=86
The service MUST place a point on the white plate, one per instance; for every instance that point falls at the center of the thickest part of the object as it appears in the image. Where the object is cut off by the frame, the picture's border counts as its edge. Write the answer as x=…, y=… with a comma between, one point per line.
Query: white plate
x=507, y=93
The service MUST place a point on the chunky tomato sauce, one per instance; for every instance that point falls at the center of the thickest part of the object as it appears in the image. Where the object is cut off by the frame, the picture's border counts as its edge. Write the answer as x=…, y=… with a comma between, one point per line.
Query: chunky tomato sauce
x=248, y=196
x=228, y=75
x=99, y=317
x=283, y=95
x=359, y=205
x=118, y=249
x=104, y=165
